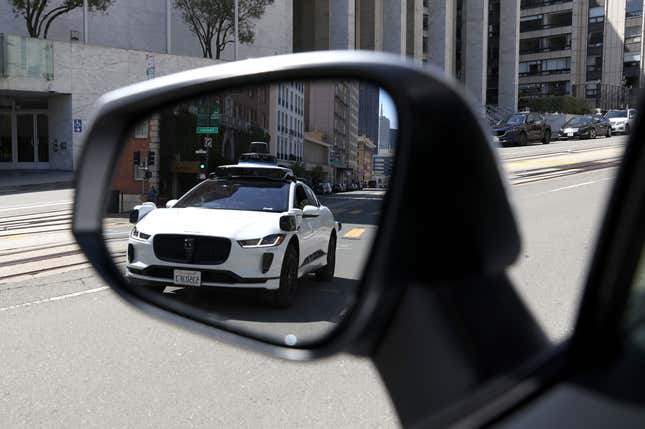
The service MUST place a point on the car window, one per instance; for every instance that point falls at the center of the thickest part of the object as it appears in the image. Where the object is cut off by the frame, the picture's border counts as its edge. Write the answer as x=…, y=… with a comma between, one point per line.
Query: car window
x=311, y=196
x=301, y=199
x=249, y=195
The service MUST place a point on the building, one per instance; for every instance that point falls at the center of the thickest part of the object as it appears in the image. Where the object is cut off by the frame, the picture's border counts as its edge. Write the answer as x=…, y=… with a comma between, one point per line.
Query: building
x=365, y=159
x=383, y=165
x=368, y=110
x=316, y=155
x=287, y=126
x=384, y=143
x=394, y=135
x=586, y=48
x=331, y=109
x=48, y=87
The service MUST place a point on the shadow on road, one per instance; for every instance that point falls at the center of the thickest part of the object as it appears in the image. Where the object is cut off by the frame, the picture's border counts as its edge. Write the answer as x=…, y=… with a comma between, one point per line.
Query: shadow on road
x=315, y=302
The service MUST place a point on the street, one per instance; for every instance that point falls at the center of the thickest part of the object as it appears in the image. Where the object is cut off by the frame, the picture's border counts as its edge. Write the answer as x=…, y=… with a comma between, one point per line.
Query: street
x=75, y=355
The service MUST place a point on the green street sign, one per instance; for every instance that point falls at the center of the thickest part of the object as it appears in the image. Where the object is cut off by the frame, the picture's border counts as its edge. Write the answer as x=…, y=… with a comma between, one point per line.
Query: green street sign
x=207, y=130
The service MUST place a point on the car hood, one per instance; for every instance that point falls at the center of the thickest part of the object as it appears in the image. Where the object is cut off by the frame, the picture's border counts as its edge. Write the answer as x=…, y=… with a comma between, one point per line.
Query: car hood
x=617, y=119
x=234, y=224
x=506, y=127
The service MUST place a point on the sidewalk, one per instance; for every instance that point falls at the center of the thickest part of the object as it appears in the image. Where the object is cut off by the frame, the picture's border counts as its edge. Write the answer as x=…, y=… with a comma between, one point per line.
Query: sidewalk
x=18, y=180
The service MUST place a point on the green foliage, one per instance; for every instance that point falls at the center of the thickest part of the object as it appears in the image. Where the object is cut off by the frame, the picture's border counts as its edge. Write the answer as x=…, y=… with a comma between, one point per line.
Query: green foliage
x=560, y=104
x=317, y=174
x=213, y=19
x=298, y=169
x=39, y=14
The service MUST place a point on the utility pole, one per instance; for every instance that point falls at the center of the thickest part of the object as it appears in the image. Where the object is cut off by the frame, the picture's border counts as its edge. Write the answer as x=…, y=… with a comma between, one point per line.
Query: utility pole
x=85, y=23
x=235, y=29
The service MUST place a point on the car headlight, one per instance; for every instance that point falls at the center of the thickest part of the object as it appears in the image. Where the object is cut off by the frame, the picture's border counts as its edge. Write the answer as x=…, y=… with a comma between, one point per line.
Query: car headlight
x=268, y=241
x=138, y=234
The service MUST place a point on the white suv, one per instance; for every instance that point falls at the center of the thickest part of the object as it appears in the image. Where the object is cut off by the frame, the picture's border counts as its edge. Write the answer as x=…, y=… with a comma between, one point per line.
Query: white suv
x=250, y=225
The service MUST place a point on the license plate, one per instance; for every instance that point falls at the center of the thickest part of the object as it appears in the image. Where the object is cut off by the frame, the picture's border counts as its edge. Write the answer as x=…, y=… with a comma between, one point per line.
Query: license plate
x=570, y=134
x=188, y=278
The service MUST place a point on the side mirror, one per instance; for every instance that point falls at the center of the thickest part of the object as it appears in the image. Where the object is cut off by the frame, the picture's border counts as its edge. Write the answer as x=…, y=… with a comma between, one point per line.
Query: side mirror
x=139, y=212
x=170, y=204
x=310, y=211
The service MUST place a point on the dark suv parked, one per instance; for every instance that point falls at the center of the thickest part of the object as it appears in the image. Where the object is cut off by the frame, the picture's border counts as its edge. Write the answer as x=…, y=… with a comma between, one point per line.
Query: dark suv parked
x=518, y=129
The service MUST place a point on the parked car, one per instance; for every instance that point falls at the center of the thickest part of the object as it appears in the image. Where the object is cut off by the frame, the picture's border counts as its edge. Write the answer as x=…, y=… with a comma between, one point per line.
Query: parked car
x=588, y=127
x=337, y=188
x=621, y=120
x=518, y=129
x=323, y=188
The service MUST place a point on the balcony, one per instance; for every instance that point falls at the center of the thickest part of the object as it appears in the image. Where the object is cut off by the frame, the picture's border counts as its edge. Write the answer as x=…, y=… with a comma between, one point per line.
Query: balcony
x=527, y=4
x=26, y=57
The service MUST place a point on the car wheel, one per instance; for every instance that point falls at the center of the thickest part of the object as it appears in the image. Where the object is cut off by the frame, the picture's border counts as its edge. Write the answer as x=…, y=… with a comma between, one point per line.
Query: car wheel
x=592, y=134
x=626, y=130
x=327, y=272
x=522, y=140
x=547, y=137
x=286, y=293
x=608, y=132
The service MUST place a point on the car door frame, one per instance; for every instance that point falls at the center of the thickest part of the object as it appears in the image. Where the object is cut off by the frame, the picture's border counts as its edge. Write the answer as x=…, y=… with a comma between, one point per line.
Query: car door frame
x=307, y=232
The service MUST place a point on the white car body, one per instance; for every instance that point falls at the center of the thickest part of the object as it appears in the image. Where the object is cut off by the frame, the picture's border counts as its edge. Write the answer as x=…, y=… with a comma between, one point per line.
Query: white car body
x=244, y=265
x=619, y=124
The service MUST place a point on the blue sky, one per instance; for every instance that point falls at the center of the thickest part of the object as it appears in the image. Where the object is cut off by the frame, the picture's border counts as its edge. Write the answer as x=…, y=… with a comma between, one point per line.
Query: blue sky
x=389, y=108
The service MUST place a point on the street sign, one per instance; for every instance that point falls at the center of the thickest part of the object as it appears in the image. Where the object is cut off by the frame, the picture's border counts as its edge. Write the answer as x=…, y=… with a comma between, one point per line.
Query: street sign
x=78, y=125
x=208, y=119
x=208, y=142
x=207, y=130
x=200, y=152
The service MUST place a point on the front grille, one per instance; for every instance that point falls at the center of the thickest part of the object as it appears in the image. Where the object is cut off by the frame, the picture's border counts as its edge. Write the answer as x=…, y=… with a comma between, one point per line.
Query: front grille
x=191, y=249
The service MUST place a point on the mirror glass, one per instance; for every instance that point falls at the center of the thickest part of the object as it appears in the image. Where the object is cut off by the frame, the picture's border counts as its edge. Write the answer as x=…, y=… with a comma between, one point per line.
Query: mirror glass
x=255, y=207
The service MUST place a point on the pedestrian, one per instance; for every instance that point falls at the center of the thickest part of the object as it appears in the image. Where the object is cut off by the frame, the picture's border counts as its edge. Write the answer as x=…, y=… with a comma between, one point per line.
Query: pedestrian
x=152, y=195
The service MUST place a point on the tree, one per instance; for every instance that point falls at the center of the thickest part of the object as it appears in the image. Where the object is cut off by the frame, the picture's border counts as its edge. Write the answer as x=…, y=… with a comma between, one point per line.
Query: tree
x=298, y=169
x=39, y=14
x=562, y=104
x=317, y=174
x=213, y=19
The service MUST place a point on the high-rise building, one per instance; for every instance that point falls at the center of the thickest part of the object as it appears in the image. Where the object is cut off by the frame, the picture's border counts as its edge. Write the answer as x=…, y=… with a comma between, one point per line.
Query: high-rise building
x=368, y=110
x=287, y=121
x=384, y=144
x=586, y=48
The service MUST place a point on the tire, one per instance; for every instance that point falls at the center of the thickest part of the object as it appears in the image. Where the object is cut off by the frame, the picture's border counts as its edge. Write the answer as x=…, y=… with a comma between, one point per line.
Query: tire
x=547, y=137
x=284, y=296
x=523, y=140
x=608, y=134
x=592, y=133
x=326, y=273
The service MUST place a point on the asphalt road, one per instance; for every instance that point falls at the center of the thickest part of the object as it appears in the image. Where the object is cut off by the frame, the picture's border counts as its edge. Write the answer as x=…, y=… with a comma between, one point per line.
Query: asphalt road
x=74, y=355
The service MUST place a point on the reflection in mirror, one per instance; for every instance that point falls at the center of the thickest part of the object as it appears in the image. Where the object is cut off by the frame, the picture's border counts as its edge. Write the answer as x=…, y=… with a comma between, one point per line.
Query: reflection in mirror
x=258, y=205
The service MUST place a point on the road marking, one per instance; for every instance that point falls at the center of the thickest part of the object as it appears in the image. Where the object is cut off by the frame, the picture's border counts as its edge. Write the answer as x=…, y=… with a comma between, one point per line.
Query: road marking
x=355, y=212
x=580, y=184
x=354, y=233
x=34, y=206
x=54, y=298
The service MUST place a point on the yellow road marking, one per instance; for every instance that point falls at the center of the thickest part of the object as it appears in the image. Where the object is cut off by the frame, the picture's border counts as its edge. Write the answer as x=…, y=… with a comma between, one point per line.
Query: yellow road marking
x=354, y=233
x=355, y=212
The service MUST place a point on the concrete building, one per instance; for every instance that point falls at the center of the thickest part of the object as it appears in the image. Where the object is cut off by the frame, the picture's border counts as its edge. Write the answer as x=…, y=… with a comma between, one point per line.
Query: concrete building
x=586, y=48
x=332, y=111
x=48, y=87
x=383, y=165
x=287, y=123
x=316, y=153
x=365, y=159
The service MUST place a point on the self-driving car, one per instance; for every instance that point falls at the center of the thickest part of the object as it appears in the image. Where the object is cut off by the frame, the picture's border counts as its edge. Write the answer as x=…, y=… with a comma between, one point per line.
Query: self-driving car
x=249, y=225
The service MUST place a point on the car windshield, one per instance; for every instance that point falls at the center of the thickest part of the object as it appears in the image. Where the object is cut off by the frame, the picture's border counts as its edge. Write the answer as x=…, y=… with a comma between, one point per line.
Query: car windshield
x=251, y=195
x=616, y=114
x=513, y=119
x=579, y=120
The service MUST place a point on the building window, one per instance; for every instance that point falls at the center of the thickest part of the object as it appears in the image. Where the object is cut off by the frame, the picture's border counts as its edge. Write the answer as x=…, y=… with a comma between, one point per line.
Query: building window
x=631, y=56
x=632, y=34
x=141, y=130
x=634, y=8
x=596, y=14
x=595, y=39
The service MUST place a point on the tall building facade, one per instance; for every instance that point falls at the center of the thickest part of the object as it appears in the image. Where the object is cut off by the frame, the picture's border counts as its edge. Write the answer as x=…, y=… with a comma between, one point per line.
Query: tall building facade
x=368, y=110
x=384, y=144
x=590, y=49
